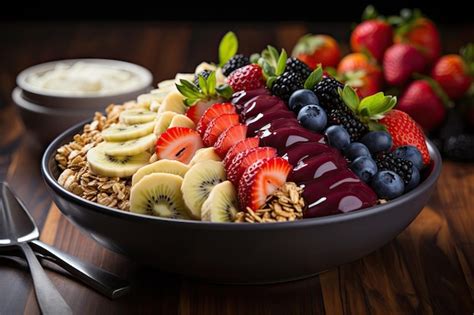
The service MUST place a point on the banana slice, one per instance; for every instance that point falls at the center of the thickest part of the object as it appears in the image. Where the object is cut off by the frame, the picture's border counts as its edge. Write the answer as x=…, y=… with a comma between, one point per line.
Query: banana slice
x=204, y=66
x=167, y=84
x=182, y=121
x=198, y=182
x=173, y=102
x=147, y=99
x=115, y=166
x=221, y=205
x=163, y=122
x=204, y=154
x=220, y=77
x=130, y=147
x=184, y=76
x=136, y=116
x=120, y=132
x=161, y=166
x=159, y=194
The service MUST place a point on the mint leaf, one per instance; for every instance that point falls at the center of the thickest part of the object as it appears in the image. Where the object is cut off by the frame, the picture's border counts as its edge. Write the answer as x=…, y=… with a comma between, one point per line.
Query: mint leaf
x=202, y=84
x=374, y=126
x=350, y=97
x=273, y=54
x=314, y=78
x=370, y=102
x=268, y=71
x=190, y=86
x=190, y=101
x=211, y=84
x=225, y=91
x=187, y=91
x=281, y=64
x=228, y=47
x=377, y=105
x=254, y=58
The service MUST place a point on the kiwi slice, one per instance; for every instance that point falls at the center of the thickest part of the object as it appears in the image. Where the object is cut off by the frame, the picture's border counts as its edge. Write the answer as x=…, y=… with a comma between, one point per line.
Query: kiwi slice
x=158, y=194
x=221, y=205
x=204, y=154
x=161, y=166
x=198, y=183
x=115, y=166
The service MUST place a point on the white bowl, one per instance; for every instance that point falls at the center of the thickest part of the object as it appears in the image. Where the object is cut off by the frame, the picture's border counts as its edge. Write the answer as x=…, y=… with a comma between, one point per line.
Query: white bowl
x=90, y=100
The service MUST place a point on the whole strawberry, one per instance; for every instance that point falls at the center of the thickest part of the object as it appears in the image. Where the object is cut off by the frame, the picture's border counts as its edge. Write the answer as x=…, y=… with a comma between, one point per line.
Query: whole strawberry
x=361, y=73
x=421, y=33
x=374, y=36
x=422, y=103
x=317, y=49
x=246, y=78
x=405, y=131
x=400, y=62
x=455, y=72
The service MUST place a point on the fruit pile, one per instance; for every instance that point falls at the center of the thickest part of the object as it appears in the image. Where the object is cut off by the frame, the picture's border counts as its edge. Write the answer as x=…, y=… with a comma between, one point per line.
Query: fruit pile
x=402, y=54
x=260, y=139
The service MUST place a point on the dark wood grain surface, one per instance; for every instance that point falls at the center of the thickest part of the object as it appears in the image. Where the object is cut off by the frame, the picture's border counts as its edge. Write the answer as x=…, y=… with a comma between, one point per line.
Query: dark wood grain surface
x=427, y=269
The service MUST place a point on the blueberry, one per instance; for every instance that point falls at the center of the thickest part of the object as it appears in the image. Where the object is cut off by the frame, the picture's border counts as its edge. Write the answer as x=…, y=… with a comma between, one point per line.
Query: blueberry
x=313, y=117
x=410, y=153
x=355, y=150
x=338, y=137
x=415, y=179
x=377, y=141
x=364, y=167
x=301, y=98
x=387, y=185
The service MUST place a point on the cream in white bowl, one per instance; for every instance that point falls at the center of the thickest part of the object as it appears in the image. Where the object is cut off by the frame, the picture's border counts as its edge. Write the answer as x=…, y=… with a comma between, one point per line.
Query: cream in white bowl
x=83, y=83
x=85, y=78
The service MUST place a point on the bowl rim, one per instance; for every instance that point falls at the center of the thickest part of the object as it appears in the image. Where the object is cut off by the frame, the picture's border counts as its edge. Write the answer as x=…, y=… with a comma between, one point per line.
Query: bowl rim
x=429, y=181
x=143, y=73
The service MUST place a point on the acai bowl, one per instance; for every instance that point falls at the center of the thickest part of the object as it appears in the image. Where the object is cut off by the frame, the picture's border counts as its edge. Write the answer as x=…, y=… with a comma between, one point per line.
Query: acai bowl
x=222, y=171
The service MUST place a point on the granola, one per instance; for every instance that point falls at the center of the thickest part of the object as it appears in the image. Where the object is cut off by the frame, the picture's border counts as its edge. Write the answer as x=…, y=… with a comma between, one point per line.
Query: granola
x=285, y=204
x=76, y=175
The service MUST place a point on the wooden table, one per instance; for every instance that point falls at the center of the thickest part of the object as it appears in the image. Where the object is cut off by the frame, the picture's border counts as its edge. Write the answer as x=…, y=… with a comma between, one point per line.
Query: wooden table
x=429, y=268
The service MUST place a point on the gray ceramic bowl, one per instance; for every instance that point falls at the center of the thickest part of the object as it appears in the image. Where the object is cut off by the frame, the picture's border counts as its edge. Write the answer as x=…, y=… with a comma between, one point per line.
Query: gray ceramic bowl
x=91, y=101
x=45, y=123
x=240, y=253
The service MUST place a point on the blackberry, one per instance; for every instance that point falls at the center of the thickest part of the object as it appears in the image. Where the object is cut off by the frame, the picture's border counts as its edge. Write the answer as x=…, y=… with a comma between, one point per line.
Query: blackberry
x=234, y=63
x=460, y=147
x=205, y=74
x=337, y=111
x=295, y=65
x=286, y=84
x=388, y=162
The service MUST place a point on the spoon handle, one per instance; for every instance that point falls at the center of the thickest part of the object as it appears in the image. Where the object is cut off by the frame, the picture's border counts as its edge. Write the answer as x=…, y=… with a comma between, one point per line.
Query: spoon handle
x=103, y=281
x=49, y=299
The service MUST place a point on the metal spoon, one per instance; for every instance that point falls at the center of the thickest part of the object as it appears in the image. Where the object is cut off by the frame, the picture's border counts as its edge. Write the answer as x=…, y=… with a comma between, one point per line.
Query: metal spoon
x=103, y=281
x=16, y=229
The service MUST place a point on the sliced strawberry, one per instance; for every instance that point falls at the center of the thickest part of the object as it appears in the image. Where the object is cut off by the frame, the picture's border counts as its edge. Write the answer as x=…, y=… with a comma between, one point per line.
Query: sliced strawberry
x=260, y=180
x=178, y=143
x=238, y=147
x=197, y=110
x=217, y=126
x=228, y=138
x=244, y=159
x=212, y=112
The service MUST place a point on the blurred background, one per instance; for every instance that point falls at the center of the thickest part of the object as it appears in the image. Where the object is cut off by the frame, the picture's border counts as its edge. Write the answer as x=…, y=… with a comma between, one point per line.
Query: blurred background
x=173, y=37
